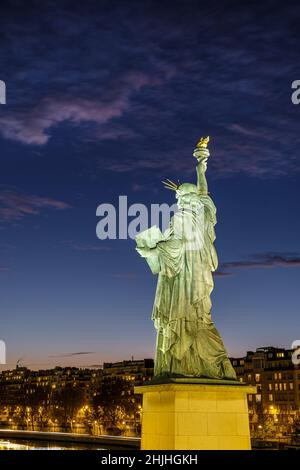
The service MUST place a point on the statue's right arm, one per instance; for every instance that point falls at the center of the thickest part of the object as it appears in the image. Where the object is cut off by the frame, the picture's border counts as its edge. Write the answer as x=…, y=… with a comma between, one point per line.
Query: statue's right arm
x=202, y=156
x=201, y=178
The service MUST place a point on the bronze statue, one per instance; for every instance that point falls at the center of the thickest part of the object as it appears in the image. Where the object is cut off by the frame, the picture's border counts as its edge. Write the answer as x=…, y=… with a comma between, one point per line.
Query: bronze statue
x=188, y=343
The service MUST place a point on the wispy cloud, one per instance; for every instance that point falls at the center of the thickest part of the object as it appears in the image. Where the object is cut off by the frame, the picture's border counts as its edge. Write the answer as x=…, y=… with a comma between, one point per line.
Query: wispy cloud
x=261, y=261
x=128, y=275
x=110, y=131
x=4, y=269
x=80, y=353
x=15, y=205
x=33, y=127
x=222, y=274
x=244, y=130
x=85, y=246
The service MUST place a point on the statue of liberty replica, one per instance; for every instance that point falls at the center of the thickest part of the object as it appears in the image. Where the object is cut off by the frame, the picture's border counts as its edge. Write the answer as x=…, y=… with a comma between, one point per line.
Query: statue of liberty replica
x=184, y=257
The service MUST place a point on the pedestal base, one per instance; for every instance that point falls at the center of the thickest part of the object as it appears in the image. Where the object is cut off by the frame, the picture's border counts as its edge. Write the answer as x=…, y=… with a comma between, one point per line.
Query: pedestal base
x=207, y=415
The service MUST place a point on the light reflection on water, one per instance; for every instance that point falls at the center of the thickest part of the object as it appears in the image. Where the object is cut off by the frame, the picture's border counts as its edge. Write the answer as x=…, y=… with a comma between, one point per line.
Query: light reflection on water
x=35, y=445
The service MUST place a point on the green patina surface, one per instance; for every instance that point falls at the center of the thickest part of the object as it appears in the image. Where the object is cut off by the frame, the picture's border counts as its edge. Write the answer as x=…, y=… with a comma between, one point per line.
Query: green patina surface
x=184, y=257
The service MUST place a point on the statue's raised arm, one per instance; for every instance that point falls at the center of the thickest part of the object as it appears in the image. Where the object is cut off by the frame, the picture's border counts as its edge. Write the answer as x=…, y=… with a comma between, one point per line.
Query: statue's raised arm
x=201, y=152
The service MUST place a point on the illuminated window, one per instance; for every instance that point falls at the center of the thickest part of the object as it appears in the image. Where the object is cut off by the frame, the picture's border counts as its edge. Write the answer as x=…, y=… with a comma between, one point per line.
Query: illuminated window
x=270, y=397
x=275, y=376
x=270, y=387
x=276, y=386
x=281, y=354
x=242, y=362
x=258, y=398
x=257, y=377
x=279, y=376
x=249, y=377
x=284, y=386
x=280, y=386
x=291, y=386
x=250, y=397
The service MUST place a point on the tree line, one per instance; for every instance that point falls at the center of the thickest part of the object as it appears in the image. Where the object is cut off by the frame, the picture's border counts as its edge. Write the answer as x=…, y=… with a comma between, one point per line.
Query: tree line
x=111, y=408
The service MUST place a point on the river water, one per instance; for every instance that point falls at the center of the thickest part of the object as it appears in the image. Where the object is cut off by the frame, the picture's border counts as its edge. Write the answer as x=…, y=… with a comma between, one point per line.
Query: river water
x=13, y=444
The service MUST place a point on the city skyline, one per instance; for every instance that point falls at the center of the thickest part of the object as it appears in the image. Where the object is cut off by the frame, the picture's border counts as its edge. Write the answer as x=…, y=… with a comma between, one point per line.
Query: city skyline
x=109, y=99
x=133, y=360
x=104, y=400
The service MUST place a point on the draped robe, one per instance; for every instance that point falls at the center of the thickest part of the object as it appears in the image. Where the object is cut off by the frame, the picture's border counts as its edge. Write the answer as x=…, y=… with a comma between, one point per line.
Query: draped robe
x=188, y=343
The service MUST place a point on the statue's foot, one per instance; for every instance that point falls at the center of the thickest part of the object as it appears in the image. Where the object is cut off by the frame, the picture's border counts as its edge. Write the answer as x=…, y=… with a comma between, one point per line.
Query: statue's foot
x=229, y=372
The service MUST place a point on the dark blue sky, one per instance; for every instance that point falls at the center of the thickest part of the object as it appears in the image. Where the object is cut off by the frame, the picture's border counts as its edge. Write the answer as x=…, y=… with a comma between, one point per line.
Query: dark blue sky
x=107, y=98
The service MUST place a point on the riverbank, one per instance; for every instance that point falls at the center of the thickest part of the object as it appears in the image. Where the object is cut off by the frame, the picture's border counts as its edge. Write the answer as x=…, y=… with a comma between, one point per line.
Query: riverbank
x=104, y=441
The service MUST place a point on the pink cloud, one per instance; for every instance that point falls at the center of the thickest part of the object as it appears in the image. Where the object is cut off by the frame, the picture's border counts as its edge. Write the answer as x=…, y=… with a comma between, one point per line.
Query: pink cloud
x=33, y=126
x=244, y=131
x=4, y=269
x=128, y=275
x=86, y=247
x=14, y=205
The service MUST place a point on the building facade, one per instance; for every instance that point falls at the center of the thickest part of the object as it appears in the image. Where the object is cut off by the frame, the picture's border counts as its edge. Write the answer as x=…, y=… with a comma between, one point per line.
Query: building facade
x=138, y=372
x=275, y=407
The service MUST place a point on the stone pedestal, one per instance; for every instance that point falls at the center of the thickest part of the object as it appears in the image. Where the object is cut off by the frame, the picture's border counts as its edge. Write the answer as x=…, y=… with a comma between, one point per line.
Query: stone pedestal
x=202, y=415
